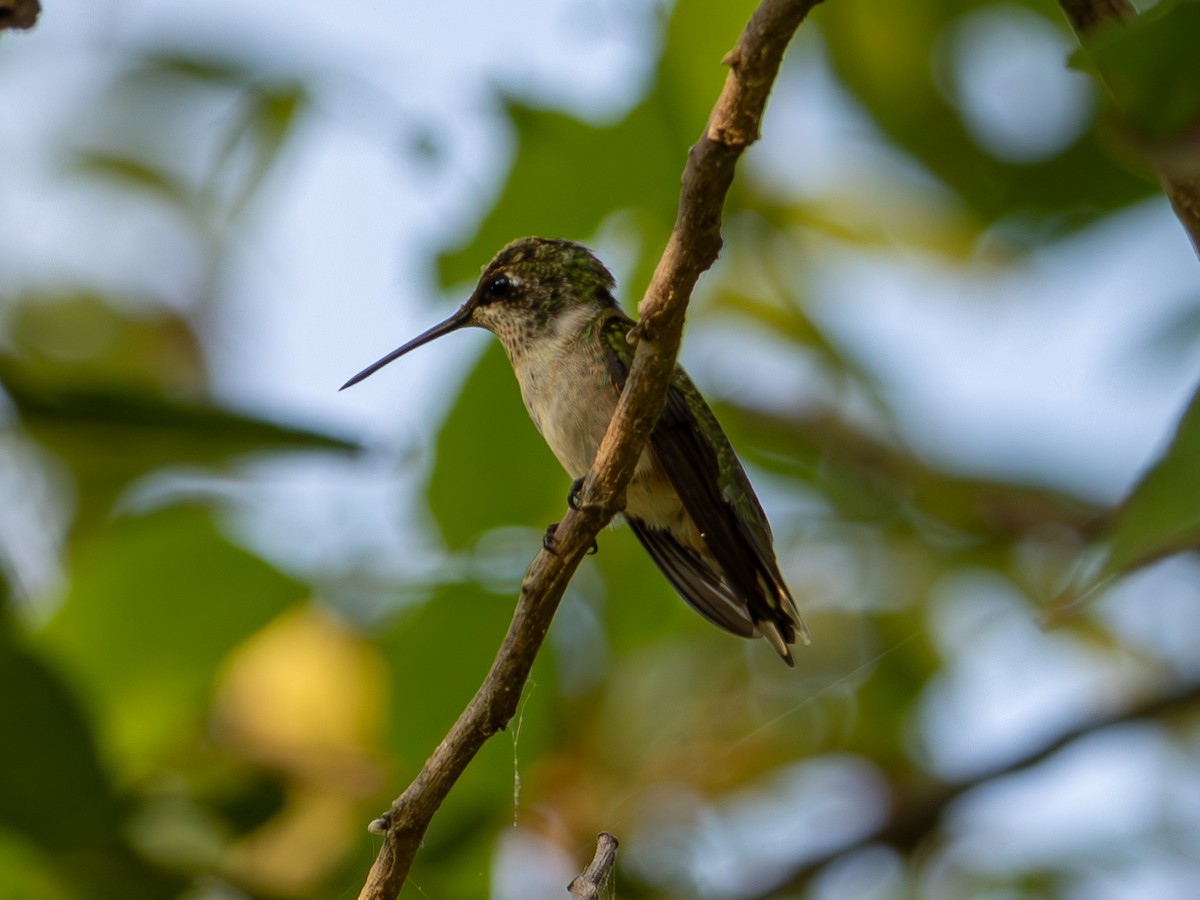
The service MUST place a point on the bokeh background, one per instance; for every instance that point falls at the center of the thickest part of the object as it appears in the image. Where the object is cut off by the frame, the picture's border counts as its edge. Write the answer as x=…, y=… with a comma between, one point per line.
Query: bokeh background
x=954, y=333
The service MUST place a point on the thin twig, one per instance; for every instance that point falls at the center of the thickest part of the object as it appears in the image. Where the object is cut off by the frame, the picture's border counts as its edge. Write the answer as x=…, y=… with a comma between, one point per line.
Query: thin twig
x=692, y=248
x=918, y=810
x=587, y=884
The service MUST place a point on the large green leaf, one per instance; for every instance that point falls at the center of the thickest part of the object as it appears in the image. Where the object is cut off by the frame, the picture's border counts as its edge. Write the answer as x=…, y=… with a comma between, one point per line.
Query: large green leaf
x=110, y=434
x=569, y=176
x=492, y=466
x=49, y=762
x=1152, y=67
x=83, y=337
x=439, y=656
x=159, y=92
x=885, y=52
x=1162, y=513
x=640, y=605
x=155, y=604
x=55, y=793
x=83, y=413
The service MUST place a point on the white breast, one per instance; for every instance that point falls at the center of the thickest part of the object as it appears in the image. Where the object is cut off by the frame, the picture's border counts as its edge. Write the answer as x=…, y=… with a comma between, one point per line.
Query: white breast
x=567, y=391
x=569, y=394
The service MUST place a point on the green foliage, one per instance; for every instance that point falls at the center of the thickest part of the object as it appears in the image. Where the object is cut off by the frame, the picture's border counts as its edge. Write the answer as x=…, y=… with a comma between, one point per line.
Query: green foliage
x=1161, y=516
x=569, y=176
x=53, y=766
x=179, y=718
x=1152, y=69
x=439, y=657
x=893, y=57
x=190, y=594
x=111, y=699
x=174, y=87
x=491, y=468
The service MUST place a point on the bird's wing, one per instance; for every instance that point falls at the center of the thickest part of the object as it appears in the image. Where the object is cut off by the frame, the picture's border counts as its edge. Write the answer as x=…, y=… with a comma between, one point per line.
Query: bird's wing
x=694, y=580
x=710, y=481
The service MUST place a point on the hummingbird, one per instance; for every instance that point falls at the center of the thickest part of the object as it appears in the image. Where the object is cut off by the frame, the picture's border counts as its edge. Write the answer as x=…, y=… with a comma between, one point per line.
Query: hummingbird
x=550, y=303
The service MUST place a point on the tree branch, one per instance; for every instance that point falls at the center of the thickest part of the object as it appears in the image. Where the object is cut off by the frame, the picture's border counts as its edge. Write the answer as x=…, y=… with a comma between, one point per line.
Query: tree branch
x=692, y=248
x=587, y=884
x=917, y=811
x=20, y=14
x=1177, y=168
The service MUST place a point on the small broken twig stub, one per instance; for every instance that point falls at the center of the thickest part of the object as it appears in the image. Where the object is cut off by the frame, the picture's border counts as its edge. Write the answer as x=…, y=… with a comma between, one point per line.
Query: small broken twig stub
x=19, y=14
x=587, y=884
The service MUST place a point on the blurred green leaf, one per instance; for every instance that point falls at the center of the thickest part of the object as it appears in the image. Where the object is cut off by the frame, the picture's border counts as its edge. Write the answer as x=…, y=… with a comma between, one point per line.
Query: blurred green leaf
x=868, y=478
x=1152, y=67
x=268, y=114
x=195, y=67
x=27, y=873
x=882, y=51
x=54, y=791
x=1162, y=513
x=136, y=173
x=244, y=798
x=157, y=95
x=110, y=436
x=569, y=176
x=491, y=467
x=79, y=336
x=691, y=71
x=439, y=656
x=155, y=604
x=52, y=785
x=640, y=607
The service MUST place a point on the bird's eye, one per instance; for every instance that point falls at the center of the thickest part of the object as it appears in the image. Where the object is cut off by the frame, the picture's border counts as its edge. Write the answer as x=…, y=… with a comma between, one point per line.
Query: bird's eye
x=498, y=288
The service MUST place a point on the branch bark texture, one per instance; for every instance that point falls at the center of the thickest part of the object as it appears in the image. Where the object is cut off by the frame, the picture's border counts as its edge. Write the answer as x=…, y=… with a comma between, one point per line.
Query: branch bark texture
x=588, y=883
x=693, y=246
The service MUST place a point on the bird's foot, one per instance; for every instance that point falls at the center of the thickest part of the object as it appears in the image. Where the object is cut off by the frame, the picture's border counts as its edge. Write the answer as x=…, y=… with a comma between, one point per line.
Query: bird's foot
x=549, y=544
x=573, y=493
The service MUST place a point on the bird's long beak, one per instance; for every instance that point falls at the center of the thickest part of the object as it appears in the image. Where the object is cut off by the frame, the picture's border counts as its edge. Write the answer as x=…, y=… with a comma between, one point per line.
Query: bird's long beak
x=460, y=319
